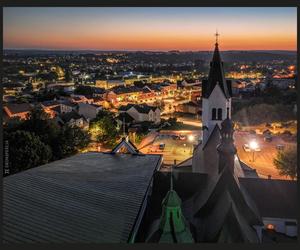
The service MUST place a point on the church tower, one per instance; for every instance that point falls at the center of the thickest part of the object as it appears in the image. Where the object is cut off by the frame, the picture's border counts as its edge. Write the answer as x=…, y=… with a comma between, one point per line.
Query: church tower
x=216, y=95
x=226, y=149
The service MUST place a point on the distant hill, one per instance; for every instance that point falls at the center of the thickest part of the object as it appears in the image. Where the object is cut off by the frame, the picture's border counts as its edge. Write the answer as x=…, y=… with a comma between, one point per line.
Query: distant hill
x=173, y=56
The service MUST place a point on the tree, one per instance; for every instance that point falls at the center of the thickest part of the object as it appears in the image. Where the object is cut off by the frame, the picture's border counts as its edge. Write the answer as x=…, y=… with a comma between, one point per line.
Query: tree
x=286, y=162
x=26, y=150
x=68, y=77
x=263, y=113
x=104, y=128
x=84, y=90
x=70, y=141
x=39, y=122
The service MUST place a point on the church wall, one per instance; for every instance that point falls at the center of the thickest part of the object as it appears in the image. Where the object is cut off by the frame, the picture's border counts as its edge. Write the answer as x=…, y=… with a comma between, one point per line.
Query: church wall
x=215, y=100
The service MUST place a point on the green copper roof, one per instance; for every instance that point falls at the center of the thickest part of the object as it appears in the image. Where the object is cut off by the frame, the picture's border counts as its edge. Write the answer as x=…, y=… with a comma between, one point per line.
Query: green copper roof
x=172, y=226
x=171, y=199
x=172, y=223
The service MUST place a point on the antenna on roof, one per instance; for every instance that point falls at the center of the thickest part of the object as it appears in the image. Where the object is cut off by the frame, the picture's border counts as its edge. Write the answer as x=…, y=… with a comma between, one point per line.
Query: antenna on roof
x=171, y=181
x=124, y=126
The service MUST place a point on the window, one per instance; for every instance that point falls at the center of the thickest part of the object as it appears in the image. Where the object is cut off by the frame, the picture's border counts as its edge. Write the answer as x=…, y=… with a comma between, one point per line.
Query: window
x=214, y=114
x=270, y=226
x=219, y=114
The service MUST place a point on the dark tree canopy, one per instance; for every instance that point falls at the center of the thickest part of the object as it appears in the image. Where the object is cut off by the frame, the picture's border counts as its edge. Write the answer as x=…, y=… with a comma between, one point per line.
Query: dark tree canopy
x=286, y=162
x=84, y=90
x=26, y=150
x=70, y=141
x=104, y=128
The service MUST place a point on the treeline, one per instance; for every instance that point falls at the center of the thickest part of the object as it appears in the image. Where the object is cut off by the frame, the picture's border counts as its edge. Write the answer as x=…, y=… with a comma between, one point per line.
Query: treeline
x=264, y=113
x=267, y=106
x=39, y=140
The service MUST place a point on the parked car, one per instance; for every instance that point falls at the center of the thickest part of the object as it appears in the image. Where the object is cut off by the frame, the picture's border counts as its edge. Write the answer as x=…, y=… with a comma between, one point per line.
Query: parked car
x=182, y=137
x=280, y=147
x=246, y=148
x=258, y=149
x=162, y=146
x=175, y=137
x=268, y=138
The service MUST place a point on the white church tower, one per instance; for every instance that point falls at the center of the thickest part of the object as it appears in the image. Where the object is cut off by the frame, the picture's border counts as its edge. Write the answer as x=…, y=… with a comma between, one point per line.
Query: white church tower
x=216, y=96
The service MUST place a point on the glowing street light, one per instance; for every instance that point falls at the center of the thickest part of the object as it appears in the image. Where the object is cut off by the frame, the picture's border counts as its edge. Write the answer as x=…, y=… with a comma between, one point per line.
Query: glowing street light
x=191, y=138
x=253, y=146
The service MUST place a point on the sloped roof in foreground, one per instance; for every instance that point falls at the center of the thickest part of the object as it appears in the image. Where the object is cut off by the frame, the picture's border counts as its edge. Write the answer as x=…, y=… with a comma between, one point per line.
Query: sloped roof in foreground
x=86, y=198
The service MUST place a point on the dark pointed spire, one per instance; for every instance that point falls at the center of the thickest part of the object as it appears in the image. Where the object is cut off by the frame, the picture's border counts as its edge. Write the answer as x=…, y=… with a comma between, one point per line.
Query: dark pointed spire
x=216, y=74
x=216, y=56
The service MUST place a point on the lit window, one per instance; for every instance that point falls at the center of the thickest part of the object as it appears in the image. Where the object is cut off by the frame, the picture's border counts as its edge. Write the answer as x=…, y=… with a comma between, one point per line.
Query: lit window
x=270, y=227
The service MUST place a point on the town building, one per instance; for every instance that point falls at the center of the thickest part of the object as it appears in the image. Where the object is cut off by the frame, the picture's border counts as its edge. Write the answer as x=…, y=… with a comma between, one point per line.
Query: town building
x=142, y=112
x=89, y=111
x=17, y=110
x=72, y=119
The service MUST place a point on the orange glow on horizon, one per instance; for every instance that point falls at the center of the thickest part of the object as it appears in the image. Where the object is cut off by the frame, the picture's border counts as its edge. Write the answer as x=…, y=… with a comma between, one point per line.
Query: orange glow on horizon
x=157, y=42
x=150, y=28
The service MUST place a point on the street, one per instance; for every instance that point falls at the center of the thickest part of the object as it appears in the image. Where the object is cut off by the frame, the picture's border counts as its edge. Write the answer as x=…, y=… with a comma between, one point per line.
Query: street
x=175, y=149
x=180, y=150
x=263, y=160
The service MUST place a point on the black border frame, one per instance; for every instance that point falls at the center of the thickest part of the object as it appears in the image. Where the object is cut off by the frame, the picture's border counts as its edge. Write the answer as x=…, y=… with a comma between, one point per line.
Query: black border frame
x=149, y=3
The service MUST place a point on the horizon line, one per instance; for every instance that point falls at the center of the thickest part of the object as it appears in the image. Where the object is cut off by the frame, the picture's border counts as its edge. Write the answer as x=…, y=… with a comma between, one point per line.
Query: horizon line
x=138, y=50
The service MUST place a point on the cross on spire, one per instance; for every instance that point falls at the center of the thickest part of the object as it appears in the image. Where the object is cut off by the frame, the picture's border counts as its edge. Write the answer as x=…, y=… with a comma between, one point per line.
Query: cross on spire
x=217, y=34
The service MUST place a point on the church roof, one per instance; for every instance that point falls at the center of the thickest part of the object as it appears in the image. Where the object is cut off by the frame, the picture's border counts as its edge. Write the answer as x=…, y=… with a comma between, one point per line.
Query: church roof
x=215, y=132
x=221, y=199
x=225, y=208
x=216, y=76
x=172, y=228
x=279, y=194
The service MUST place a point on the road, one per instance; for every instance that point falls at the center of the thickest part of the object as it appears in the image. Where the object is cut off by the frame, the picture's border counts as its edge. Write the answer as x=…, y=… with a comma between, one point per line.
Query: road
x=263, y=160
x=178, y=150
x=186, y=120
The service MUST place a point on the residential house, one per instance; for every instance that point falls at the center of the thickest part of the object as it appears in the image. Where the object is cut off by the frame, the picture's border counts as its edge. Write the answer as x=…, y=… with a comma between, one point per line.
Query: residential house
x=72, y=119
x=17, y=110
x=89, y=111
x=142, y=112
x=81, y=99
x=189, y=107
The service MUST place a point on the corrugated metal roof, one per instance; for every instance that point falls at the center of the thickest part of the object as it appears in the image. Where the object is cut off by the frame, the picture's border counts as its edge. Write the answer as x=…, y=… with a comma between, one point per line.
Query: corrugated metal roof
x=91, y=197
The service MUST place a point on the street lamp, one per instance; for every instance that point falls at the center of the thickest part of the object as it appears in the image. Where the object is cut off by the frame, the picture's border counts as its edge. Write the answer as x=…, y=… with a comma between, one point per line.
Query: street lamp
x=253, y=146
x=191, y=138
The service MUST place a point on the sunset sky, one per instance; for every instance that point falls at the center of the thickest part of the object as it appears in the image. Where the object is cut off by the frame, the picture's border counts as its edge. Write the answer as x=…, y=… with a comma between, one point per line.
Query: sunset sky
x=150, y=28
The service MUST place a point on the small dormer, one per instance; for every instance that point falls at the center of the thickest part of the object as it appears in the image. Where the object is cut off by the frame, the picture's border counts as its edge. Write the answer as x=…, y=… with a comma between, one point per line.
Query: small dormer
x=125, y=147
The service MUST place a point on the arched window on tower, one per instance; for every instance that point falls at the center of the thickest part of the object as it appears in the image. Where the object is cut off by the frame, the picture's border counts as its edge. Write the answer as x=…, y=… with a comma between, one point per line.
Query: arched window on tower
x=214, y=114
x=219, y=114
